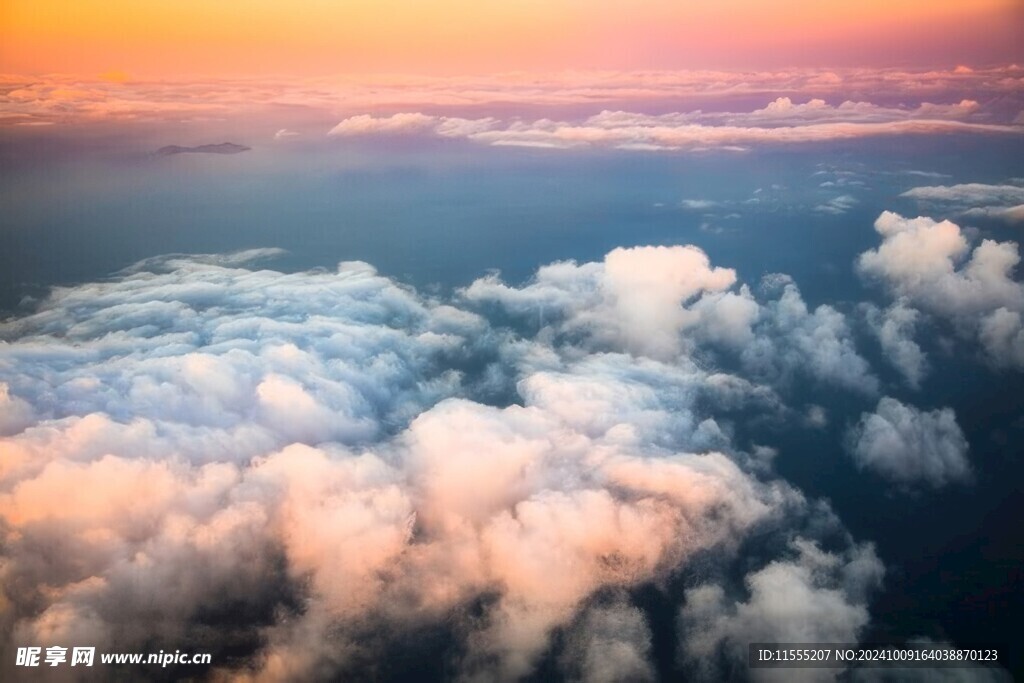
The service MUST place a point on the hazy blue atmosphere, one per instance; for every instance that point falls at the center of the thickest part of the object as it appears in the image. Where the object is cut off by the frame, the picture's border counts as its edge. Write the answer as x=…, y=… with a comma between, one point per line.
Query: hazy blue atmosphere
x=444, y=213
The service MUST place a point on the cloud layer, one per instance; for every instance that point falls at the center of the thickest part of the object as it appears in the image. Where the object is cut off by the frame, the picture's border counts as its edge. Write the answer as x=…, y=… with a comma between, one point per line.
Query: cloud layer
x=788, y=97
x=311, y=468
x=1003, y=203
x=780, y=123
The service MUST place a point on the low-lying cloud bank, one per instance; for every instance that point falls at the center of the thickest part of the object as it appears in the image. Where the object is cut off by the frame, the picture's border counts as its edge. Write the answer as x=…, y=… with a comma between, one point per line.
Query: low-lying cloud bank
x=64, y=98
x=781, y=122
x=1002, y=203
x=302, y=472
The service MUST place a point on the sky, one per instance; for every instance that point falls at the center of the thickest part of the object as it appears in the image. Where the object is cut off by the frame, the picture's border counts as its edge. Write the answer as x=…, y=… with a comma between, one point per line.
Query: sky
x=163, y=38
x=523, y=341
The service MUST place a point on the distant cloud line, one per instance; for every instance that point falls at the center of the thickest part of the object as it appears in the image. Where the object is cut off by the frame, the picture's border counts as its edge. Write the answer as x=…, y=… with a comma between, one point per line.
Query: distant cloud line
x=628, y=131
x=56, y=98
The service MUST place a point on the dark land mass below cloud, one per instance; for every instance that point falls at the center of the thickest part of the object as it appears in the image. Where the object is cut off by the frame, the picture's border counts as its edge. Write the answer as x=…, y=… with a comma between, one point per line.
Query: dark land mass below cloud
x=222, y=148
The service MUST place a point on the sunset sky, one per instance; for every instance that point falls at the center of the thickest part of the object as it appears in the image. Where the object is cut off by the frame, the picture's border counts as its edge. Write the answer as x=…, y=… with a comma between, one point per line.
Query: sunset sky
x=509, y=340
x=173, y=37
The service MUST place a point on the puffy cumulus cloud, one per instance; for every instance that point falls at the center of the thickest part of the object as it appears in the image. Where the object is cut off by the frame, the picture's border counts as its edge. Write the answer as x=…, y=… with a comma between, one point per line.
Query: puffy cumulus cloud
x=1002, y=334
x=406, y=123
x=135, y=409
x=633, y=299
x=137, y=539
x=931, y=262
x=397, y=123
x=662, y=302
x=811, y=596
x=895, y=327
x=932, y=266
x=909, y=446
x=295, y=471
x=791, y=339
x=207, y=344
x=15, y=413
x=646, y=286
x=611, y=643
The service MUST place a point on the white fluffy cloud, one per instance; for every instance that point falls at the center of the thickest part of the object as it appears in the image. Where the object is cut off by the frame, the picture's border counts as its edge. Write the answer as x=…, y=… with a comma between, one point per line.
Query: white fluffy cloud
x=931, y=262
x=662, y=302
x=407, y=123
x=634, y=299
x=290, y=465
x=895, y=327
x=814, y=596
x=321, y=356
x=398, y=123
x=610, y=644
x=932, y=266
x=909, y=446
x=791, y=340
x=15, y=413
x=1002, y=334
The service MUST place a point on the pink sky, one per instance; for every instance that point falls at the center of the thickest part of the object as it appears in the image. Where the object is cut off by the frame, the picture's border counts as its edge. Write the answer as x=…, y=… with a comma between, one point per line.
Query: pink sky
x=161, y=38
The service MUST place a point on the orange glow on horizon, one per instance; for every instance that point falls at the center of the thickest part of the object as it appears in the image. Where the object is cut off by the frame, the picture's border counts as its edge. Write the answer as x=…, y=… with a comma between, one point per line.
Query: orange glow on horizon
x=170, y=37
